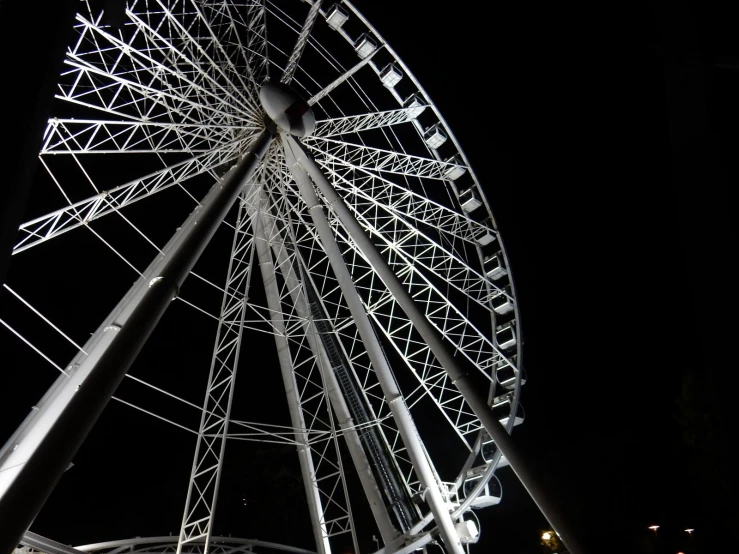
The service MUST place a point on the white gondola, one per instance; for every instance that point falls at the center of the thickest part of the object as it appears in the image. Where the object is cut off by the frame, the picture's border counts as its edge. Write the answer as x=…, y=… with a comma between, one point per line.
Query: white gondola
x=502, y=303
x=391, y=75
x=494, y=267
x=456, y=168
x=469, y=200
x=505, y=336
x=484, y=235
x=502, y=409
x=467, y=531
x=336, y=17
x=434, y=136
x=415, y=105
x=365, y=46
x=490, y=495
x=506, y=374
x=489, y=449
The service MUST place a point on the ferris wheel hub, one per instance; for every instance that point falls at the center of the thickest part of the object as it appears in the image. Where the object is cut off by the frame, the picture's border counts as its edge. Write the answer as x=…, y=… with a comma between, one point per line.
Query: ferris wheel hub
x=287, y=109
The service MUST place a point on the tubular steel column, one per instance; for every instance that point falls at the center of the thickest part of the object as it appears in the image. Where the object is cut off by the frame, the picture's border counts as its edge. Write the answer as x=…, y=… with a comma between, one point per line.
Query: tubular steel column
x=338, y=403
x=433, y=338
x=37, y=455
x=395, y=400
x=267, y=267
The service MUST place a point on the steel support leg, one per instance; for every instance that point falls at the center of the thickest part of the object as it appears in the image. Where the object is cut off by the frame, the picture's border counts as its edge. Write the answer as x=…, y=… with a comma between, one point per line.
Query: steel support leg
x=267, y=268
x=395, y=400
x=338, y=403
x=210, y=448
x=37, y=455
x=474, y=398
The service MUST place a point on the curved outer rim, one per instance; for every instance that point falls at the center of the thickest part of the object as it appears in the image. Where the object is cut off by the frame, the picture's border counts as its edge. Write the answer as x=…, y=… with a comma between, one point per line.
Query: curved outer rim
x=519, y=343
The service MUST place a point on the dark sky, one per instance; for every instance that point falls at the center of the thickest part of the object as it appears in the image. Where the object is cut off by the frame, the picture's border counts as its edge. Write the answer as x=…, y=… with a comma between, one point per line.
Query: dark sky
x=605, y=141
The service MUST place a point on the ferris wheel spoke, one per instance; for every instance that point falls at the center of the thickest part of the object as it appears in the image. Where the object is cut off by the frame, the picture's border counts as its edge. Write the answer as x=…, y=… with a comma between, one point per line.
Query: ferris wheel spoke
x=301, y=42
x=364, y=122
x=375, y=159
x=401, y=200
x=328, y=89
x=92, y=136
x=396, y=232
x=256, y=42
x=251, y=51
x=174, y=77
x=196, y=55
x=132, y=100
x=225, y=59
x=60, y=221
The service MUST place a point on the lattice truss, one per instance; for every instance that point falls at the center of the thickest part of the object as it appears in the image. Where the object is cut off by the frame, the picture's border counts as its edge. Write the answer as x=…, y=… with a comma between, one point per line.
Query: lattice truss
x=213, y=433
x=175, y=90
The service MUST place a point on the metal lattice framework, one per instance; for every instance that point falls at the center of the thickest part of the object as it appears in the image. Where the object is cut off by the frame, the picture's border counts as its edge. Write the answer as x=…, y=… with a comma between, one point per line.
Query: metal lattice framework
x=169, y=102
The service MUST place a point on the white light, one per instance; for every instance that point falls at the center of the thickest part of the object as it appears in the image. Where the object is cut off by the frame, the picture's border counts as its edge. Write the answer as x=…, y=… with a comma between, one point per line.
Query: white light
x=546, y=536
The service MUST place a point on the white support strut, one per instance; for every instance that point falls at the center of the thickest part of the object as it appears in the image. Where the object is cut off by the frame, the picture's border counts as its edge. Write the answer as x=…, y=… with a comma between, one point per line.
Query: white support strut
x=390, y=389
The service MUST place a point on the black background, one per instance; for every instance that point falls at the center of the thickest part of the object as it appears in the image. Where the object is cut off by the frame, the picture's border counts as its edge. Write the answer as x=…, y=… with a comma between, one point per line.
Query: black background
x=605, y=139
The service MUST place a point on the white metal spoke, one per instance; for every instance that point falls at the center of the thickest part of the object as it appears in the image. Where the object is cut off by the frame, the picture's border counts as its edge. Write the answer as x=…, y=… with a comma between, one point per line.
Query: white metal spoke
x=196, y=49
x=376, y=159
x=365, y=122
x=80, y=136
x=301, y=42
x=411, y=205
x=398, y=234
x=51, y=225
x=328, y=89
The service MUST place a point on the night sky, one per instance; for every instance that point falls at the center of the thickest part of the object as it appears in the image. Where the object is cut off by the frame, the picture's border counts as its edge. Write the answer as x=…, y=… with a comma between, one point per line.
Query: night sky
x=605, y=140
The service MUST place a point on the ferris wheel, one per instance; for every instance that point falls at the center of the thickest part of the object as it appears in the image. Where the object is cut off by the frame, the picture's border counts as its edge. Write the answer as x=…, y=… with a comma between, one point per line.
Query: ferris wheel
x=340, y=231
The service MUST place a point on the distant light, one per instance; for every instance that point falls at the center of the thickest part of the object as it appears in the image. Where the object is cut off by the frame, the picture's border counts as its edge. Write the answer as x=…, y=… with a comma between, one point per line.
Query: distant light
x=654, y=527
x=546, y=536
x=689, y=531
